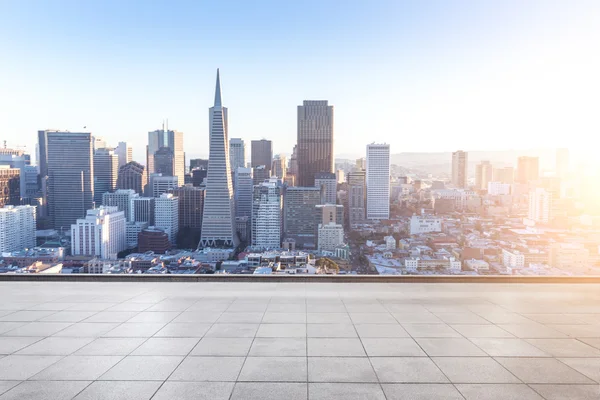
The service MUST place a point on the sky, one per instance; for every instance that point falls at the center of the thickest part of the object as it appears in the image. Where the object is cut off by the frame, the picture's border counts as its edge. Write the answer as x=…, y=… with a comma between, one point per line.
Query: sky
x=423, y=76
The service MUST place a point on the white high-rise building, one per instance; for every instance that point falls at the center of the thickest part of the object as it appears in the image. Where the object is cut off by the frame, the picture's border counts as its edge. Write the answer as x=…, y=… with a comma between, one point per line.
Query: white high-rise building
x=122, y=199
x=237, y=153
x=330, y=236
x=266, y=215
x=132, y=230
x=498, y=188
x=124, y=152
x=17, y=228
x=540, y=205
x=166, y=215
x=106, y=172
x=218, y=221
x=100, y=234
x=460, y=160
x=378, y=181
x=243, y=192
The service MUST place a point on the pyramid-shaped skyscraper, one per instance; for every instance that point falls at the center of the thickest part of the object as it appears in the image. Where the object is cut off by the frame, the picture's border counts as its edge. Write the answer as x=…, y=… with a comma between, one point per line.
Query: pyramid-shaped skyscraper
x=218, y=217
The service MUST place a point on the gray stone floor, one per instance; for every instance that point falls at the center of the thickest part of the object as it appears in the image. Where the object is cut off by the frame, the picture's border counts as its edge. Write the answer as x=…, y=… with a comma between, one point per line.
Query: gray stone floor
x=298, y=340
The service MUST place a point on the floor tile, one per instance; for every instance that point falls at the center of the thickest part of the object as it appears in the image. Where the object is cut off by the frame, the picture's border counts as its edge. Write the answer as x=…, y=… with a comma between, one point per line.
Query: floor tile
x=26, y=316
x=335, y=347
x=444, y=347
x=273, y=369
x=462, y=318
x=594, y=342
x=331, y=330
x=481, y=331
x=241, y=318
x=340, y=369
x=570, y=392
x=365, y=308
x=154, y=317
x=6, y=385
x=565, y=347
x=143, y=368
x=222, y=347
x=430, y=330
x=578, y=331
x=328, y=318
x=119, y=391
x=55, y=346
x=269, y=391
x=421, y=391
x=38, y=329
x=110, y=347
x=287, y=307
x=9, y=344
x=345, y=391
x=166, y=347
x=532, y=331
x=19, y=367
x=542, y=370
x=281, y=330
x=407, y=370
x=498, y=392
x=84, y=329
x=284, y=318
x=68, y=316
x=381, y=331
x=590, y=367
x=140, y=329
x=424, y=317
x=45, y=390
x=217, y=369
x=78, y=368
x=278, y=347
x=194, y=391
x=232, y=330
x=183, y=330
x=392, y=347
x=474, y=370
x=373, y=318
x=205, y=317
x=9, y=326
x=508, y=347
x=505, y=318
x=111, y=316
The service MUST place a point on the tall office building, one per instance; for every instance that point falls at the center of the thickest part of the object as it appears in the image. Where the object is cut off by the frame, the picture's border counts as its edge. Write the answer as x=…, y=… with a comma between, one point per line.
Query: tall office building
x=98, y=142
x=166, y=215
x=356, y=197
x=122, y=199
x=361, y=164
x=504, y=175
x=293, y=167
x=327, y=182
x=315, y=141
x=460, y=160
x=160, y=184
x=18, y=159
x=261, y=153
x=124, y=152
x=42, y=152
x=164, y=162
x=279, y=167
x=101, y=233
x=191, y=204
x=17, y=228
x=299, y=222
x=528, y=169
x=378, y=181
x=562, y=162
x=483, y=175
x=172, y=140
x=132, y=176
x=540, y=205
x=70, y=168
x=237, y=153
x=142, y=210
x=243, y=192
x=266, y=215
x=260, y=174
x=106, y=172
x=10, y=186
x=218, y=220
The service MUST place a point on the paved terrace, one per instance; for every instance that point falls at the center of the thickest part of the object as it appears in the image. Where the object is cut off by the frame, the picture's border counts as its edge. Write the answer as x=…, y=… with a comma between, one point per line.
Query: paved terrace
x=315, y=340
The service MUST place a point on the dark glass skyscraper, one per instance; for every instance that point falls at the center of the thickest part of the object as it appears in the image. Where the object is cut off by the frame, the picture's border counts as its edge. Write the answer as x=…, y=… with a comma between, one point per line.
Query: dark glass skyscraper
x=315, y=140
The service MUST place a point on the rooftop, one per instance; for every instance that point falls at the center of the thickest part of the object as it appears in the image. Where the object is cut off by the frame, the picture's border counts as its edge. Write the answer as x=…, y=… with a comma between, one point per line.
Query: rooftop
x=144, y=339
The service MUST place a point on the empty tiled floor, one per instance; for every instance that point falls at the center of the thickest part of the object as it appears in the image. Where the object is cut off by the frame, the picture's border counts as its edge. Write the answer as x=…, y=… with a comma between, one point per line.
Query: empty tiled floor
x=292, y=341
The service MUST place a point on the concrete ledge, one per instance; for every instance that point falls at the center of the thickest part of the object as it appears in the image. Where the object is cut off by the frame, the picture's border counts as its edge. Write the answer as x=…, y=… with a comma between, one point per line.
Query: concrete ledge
x=297, y=278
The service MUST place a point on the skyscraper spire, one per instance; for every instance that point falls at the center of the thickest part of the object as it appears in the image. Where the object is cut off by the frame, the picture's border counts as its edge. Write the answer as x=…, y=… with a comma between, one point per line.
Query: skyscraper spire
x=218, y=91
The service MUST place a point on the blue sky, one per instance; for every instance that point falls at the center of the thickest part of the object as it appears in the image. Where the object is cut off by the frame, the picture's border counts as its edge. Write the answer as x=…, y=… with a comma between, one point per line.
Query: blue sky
x=422, y=75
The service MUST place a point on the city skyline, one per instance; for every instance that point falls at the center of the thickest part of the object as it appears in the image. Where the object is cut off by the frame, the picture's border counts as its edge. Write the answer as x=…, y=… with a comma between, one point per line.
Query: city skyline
x=447, y=73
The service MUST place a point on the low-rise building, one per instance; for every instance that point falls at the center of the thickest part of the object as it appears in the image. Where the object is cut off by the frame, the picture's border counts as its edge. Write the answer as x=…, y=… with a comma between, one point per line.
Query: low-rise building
x=425, y=224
